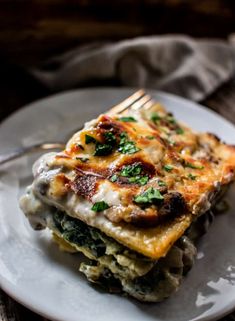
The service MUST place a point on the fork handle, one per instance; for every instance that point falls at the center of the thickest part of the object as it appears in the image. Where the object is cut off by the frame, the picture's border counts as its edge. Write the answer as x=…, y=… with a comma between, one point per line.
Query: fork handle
x=21, y=151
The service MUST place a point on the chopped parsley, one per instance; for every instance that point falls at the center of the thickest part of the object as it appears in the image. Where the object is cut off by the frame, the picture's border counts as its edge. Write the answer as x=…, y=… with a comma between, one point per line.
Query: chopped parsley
x=106, y=148
x=134, y=174
x=161, y=183
x=89, y=139
x=123, y=138
x=127, y=119
x=168, y=168
x=141, y=180
x=110, y=138
x=151, y=195
x=192, y=177
x=171, y=119
x=131, y=170
x=113, y=178
x=150, y=137
x=179, y=131
x=155, y=117
x=103, y=149
x=190, y=165
x=100, y=206
x=127, y=146
x=82, y=159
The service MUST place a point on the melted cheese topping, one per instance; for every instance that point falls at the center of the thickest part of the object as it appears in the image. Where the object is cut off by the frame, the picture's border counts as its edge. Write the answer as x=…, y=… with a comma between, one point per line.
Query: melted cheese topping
x=106, y=192
x=191, y=165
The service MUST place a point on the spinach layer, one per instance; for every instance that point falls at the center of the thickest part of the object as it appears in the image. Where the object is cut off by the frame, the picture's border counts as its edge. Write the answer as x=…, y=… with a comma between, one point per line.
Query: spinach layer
x=157, y=279
x=77, y=232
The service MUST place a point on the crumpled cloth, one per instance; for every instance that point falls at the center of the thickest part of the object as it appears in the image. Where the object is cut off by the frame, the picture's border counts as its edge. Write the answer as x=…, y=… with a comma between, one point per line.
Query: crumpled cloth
x=177, y=64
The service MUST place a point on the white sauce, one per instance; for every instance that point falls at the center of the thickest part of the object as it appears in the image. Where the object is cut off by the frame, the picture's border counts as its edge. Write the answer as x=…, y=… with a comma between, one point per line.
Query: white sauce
x=81, y=205
x=155, y=154
x=42, y=163
x=35, y=210
x=107, y=194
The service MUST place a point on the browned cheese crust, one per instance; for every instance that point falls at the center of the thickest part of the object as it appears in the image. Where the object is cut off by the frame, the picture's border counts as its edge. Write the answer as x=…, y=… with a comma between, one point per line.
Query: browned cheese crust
x=186, y=168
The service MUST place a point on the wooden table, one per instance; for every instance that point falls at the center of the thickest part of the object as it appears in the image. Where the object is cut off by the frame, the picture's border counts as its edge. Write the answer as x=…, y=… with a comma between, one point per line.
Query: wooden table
x=31, y=30
x=222, y=101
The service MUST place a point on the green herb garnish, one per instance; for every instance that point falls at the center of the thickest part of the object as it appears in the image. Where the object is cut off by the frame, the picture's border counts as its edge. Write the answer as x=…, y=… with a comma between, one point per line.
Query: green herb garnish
x=127, y=146
x=131, y=170
x=113, y=178
x=89, y=139
x=123, y=138
x=110, y=138
x=100, y=206
x=150, y=137
x=141, y=180
x=168, y=168
x=106, y=148
x=151, y=195
x=171, y=119
x=161, y=183
x=190, y=165
x=103, y=149
x=128, y=119
x=192, y=177
x=179, y=131
x=155, y=117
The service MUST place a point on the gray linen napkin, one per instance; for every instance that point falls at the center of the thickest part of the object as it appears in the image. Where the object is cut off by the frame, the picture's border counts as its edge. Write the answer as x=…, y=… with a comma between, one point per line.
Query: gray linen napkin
x=177, y=64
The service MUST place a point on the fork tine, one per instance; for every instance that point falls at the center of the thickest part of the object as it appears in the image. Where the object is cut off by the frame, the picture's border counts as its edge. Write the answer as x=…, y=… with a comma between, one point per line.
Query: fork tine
x=142, y=102
x=148, y=104
x=127, y=103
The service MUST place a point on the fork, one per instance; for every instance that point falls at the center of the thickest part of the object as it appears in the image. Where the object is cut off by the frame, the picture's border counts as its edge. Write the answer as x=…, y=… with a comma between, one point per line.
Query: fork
x=136, y=101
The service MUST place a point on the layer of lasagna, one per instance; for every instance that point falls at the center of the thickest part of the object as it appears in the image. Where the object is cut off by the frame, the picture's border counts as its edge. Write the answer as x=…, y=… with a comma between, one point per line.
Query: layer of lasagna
x=125, y=192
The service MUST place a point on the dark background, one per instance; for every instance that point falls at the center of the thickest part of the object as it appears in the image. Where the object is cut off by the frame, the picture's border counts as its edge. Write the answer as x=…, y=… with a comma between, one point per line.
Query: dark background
x=32, y=31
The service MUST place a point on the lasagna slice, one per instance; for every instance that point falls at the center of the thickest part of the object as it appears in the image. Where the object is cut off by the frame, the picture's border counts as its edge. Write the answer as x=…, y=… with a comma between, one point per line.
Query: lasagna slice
x=132, y=192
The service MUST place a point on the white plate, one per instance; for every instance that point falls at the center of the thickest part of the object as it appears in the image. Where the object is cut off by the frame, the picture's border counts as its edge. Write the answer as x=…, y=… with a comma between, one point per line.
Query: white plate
x=35, y=273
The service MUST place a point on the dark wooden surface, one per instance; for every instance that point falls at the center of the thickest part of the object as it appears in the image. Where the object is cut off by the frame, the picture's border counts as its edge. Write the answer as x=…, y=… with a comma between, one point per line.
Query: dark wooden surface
x=31, y=30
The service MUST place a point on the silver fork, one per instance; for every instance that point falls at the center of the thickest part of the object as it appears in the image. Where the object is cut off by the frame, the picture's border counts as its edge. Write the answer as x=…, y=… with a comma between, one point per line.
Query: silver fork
x=136, y=101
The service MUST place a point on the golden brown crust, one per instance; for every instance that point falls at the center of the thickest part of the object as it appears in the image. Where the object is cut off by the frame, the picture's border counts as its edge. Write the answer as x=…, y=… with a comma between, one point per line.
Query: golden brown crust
x=189, y=164
x=185, y=167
